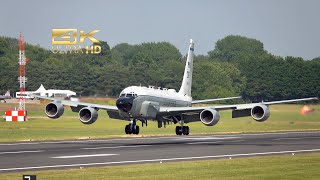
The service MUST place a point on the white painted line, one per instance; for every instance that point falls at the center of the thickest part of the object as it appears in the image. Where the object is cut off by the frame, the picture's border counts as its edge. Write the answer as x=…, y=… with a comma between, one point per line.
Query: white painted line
x=115, y=147
x=157, y=160
x=20, y=152
x=81, y=156
x=151, y=138
x=237, y=141
x=207, y=142
x=13, y=144
x=279, y=139
x=274, y=133
x=86, y=141
x=207, y=138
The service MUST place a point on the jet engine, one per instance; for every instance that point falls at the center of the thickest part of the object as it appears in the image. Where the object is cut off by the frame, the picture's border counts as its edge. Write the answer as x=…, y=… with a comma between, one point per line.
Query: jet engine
x=54, y=110
x=88, y=115
x=209, y=117
x=260, y=113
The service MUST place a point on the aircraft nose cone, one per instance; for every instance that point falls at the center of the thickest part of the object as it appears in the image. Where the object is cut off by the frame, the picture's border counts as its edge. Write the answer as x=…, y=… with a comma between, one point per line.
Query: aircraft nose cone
x=124, y=103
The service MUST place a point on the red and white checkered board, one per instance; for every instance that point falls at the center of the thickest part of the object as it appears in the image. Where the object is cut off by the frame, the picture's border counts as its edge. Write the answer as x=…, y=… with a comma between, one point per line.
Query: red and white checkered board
x=16, y=116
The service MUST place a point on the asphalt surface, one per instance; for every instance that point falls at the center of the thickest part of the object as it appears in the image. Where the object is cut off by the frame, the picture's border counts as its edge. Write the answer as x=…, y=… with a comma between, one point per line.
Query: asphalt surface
x=27, y=156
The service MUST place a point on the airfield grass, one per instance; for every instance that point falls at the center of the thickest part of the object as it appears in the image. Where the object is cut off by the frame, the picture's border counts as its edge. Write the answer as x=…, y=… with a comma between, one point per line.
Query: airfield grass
x=39, y=127
x=283, y=118
x=298, y=166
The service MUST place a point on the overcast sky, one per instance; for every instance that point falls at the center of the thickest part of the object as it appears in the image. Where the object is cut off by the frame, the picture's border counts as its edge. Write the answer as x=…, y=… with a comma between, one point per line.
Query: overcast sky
x=286, y=27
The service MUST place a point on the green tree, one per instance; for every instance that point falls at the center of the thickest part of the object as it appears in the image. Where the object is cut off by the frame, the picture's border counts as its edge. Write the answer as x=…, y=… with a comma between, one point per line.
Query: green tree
x=237, y=47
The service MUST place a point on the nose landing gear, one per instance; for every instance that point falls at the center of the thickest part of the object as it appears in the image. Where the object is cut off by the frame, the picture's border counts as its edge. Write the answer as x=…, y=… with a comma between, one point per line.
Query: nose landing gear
x=132, y=128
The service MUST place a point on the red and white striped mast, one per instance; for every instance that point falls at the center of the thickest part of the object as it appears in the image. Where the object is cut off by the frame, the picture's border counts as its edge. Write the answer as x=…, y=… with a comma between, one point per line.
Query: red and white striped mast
x=22, y=78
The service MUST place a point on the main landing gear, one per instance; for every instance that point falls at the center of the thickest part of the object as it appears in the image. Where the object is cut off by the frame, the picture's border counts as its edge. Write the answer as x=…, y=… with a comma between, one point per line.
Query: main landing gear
x=182, y=130
x=132, y=128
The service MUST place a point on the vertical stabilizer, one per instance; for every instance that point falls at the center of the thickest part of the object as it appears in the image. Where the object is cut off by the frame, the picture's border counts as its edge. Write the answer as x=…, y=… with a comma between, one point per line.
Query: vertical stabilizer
x=187, y=76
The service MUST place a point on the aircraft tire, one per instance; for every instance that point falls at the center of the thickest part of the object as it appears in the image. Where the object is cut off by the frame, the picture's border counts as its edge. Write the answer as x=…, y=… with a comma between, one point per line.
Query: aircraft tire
x=137, y=129
x=127, y=129
x=185, y=130
x=178, y=130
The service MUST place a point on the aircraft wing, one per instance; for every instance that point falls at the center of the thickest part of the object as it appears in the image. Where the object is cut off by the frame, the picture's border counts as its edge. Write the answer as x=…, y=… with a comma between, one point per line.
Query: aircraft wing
x=78, y=104
x=212, y=100
x=169, y=110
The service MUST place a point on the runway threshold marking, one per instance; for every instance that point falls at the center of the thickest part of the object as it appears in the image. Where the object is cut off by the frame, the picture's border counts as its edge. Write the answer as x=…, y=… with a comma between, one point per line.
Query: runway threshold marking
x=158, y=160
x=81, y=156
x=20, y=152
x=116, y=147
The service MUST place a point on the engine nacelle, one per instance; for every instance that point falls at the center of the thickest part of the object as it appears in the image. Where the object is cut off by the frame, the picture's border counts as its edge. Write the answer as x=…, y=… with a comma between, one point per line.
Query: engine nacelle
x=54, y=110
x=88, y=115
x=209, y=117
x=260, y=113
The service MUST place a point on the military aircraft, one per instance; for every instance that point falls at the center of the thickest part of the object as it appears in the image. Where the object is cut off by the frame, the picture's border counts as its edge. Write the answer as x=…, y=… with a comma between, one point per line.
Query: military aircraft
x=138, y=103
x=5, y=96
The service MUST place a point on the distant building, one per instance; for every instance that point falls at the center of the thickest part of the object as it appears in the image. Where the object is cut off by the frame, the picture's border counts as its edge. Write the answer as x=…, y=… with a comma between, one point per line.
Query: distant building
x=49, y=93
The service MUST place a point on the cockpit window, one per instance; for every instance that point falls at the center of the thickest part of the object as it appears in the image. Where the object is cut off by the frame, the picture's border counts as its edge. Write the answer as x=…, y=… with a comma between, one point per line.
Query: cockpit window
x=128, y=95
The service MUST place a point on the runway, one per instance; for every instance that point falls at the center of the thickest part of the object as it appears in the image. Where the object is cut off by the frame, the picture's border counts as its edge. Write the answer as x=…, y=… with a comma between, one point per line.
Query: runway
x=27, y=156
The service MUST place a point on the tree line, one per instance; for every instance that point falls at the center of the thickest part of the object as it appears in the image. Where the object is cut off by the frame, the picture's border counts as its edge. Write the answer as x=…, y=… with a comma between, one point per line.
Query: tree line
x=237, y=65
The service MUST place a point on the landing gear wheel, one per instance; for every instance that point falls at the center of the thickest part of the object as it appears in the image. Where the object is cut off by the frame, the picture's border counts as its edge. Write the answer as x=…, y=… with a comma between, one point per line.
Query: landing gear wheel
x=136, y=130
x=178, y=130
x=130, y=129
x=185, y=130
x=127, y=129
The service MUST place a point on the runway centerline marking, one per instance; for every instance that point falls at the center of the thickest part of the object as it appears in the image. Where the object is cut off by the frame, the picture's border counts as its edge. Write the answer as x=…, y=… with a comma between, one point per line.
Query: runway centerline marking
x=20, y=152
x=116, y=147
x=157, y=160
x=81, y=156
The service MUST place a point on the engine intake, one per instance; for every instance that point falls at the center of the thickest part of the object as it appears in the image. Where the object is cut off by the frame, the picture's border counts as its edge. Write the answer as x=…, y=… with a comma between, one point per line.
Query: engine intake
x=260, y=113
x=88, y=115
x=209, y=117
x=54, y=110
